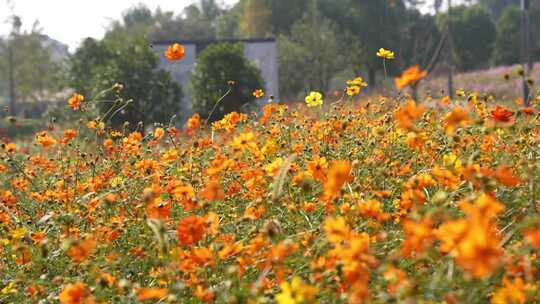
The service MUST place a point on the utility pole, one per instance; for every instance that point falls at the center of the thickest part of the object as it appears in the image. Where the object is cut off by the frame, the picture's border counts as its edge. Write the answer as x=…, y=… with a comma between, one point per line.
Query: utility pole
x=11, y=71
x=526, y=59
x=15, y=29
x=449, y=52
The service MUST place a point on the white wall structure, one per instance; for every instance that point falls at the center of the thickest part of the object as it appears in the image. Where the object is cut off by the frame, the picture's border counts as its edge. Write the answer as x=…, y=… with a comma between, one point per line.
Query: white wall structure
x=262, y=52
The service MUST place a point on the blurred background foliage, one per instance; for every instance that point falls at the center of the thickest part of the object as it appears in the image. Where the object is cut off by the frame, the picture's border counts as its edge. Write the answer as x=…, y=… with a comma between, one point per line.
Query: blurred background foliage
x=320, y=42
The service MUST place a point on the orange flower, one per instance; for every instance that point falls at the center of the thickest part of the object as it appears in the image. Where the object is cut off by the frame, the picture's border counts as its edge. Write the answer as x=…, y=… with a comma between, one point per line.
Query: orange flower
x=69, y=134
x=76, y=294
x=474, y=240
x=532, y=236
x=158, y=133
x=10, y=148
x=528, y=110
x=145, y=294
x=338, y=174
x=411, y=76
x=194, y=122
x=75, y=101
x=407, y=114
x=455, y=119
x=190, y=230
x=418, y=236
x=213, y=191
x=82, y=249
x=317, y=168
x=175, y=52
x=258, y=93
x=254, y=213
x=45, y=139
x=372, y=208
x=512, y=292
x=203, y=294
x=158, y=209
x=501, y=114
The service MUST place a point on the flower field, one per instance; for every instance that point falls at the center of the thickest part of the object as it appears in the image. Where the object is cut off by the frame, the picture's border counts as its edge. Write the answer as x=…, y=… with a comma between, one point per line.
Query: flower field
x=382, y=200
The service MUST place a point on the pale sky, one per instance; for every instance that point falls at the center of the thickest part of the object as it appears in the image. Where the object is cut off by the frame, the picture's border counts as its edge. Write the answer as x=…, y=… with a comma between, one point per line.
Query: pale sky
x=70, y=21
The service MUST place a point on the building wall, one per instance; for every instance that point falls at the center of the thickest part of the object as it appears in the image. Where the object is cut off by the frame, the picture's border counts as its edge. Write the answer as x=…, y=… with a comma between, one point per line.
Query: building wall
x=261, y=52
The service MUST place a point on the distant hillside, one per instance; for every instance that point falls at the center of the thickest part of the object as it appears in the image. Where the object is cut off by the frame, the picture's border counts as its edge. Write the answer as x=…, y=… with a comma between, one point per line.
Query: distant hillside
x=490, y=81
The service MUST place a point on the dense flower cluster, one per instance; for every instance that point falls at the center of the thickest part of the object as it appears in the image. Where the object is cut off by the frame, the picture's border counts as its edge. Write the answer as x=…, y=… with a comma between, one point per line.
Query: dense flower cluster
x=381, y=200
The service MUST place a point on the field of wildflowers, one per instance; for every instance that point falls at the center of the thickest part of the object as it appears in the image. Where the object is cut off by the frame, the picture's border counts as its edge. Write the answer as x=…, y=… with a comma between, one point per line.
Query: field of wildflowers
x=379, y=200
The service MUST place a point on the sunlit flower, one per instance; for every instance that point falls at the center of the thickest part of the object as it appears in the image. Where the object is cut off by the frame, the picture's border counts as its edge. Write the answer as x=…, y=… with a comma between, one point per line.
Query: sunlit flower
x=156, y=294
x=10, y=147
x=245, y=141
x=314, y=99
x=410, y=77
x=386, y=54
x=297, y=292
x=501, y=114
x=459, y=117
x=338, y=174
x=352, y=91
x=258, y=93
x=75, y=101
x=357, y=82
x=175, y=52
x=190, y=230
x=407, y=114
x=44, y=139
x=76, y=293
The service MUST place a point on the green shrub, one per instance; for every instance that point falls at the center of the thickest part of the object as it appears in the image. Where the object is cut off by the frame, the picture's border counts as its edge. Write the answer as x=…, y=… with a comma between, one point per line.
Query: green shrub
x=216, y=66
x=98, y=65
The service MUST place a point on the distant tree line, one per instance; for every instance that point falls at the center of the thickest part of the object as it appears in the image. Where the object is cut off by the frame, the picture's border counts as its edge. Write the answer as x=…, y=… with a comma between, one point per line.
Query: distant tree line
x=321, y=43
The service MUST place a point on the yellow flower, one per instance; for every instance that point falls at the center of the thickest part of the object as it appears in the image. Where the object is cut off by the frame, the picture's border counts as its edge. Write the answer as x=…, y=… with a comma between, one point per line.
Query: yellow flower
x=18, y=234
x=296, y=292
x=272, y=168
x=314, y=99
x=245, y=141
x=358, y=81
x=354, y=90
x=10, y=288
x=452, y=160
x=386, y=54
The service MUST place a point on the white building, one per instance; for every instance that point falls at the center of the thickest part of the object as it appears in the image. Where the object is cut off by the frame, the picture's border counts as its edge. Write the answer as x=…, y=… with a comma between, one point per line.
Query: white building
x=262, y=52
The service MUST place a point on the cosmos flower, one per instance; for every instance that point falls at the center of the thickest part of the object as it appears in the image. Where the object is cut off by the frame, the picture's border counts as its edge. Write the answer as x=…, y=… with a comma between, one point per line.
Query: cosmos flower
x=386, y=54
x=410, y=77
x=314, y=99
x=175, y=52
x=75, y=101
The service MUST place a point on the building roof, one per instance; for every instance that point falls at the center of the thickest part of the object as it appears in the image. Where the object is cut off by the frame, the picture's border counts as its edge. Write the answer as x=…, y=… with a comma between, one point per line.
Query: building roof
x=209, y=41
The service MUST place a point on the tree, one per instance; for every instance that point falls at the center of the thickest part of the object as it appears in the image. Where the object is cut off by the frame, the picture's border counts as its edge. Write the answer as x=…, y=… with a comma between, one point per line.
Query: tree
x=419, y=38
x=197, y=21
x=36, y=73
x=497, y=7
x=508, y=42
x=256, y=19
x=473, y=34
x=286, y=13
x=508, y=37
x=373, y=24
x=216, y=66
x=311, y=56
x=98, y=65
